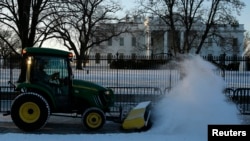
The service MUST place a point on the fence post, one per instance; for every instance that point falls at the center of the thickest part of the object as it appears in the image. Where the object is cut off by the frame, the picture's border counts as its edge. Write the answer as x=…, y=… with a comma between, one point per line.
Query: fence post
x=117, y=58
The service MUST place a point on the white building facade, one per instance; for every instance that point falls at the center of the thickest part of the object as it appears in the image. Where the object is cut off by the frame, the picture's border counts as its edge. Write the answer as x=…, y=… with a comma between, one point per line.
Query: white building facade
x=153, y=37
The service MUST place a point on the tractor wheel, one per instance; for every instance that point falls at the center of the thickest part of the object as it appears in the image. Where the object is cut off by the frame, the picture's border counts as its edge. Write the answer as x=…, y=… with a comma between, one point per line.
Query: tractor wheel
x=30, y=111
x=93, y=118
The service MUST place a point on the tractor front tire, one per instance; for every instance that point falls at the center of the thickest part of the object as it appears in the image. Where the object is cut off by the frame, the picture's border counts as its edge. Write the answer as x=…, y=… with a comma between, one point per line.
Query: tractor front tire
x=30, y=111
x=93, y=118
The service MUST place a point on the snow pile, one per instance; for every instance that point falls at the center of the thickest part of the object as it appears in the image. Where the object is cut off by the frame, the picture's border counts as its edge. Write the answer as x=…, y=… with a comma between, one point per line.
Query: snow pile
x=197, y=101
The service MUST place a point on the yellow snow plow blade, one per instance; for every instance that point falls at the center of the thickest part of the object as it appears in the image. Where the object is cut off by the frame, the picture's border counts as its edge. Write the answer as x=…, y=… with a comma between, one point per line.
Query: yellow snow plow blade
x=138, y=117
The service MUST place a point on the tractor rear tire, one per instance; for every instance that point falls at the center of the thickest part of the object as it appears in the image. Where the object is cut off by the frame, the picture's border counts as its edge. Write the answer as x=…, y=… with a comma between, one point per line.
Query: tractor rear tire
x=30, y=111
x=93, y=118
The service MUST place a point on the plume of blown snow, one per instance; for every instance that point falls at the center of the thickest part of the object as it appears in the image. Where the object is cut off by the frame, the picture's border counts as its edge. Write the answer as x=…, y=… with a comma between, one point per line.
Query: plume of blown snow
x=196, y=102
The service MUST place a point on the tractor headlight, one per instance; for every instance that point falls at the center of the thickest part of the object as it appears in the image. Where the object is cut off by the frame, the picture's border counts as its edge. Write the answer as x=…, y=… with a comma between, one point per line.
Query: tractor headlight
x=107, y=92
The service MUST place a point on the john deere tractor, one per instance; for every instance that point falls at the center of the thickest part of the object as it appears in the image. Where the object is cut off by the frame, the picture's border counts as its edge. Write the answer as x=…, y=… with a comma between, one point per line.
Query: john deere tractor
x=49, y=88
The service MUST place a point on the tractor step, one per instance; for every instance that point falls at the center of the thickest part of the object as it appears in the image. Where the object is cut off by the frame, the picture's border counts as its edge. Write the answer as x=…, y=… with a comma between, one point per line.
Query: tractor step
x=138, y=117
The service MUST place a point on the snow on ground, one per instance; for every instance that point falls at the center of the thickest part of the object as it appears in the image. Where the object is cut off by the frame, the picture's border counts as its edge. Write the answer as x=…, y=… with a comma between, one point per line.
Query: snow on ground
x=182, y=115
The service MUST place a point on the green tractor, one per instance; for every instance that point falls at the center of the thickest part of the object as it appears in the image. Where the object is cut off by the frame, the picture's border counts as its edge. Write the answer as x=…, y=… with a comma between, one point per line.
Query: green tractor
x=49, y=88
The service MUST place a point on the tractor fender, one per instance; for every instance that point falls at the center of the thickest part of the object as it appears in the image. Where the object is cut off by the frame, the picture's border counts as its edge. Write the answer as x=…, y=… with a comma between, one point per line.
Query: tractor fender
x=46, y=93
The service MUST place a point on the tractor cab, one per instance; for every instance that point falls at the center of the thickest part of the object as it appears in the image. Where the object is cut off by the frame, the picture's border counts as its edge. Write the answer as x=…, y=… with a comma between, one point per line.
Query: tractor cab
x=50, y=74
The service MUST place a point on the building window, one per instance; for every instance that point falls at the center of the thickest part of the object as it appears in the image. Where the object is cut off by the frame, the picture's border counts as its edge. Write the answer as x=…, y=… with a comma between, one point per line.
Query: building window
x=210, y=42
x=235, y=45
x=97, y=41
x=173, y=39
x=222, y=42
x=109, y=58
x=97, y=58
x=121, y=41
x=133, y=41
x=152, y=42
x=235, y=42
x=110, y=42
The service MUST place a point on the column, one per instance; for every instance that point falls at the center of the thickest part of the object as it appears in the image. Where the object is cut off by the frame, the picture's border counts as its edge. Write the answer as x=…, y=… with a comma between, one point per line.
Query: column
x=165, y=42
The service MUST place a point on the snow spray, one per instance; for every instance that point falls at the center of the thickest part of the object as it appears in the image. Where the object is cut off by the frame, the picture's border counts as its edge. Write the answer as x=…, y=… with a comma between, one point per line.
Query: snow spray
x=195, y=102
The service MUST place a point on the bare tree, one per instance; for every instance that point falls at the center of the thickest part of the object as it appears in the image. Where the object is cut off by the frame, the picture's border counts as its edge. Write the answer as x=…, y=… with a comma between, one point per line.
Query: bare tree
x=26, y=19
x=219, y=12
x=82, y=24
x=8, y=47
x=8, y=43
x=165, y=10
x=186, y=14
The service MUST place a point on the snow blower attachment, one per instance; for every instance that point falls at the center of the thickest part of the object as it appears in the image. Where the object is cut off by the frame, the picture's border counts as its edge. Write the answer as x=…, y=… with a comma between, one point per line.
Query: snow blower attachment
x=138, y=117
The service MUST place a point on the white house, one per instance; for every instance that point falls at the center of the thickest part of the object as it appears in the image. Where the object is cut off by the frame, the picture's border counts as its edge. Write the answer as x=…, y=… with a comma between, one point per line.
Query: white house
x=152, y=37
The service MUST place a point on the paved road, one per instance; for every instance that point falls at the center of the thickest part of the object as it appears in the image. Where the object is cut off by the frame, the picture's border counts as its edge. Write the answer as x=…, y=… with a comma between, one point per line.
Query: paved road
x=59, y=125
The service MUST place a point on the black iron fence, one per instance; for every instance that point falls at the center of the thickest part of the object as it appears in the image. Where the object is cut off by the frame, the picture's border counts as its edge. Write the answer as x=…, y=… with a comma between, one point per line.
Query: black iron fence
x=241, y=97
x=134, y=78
